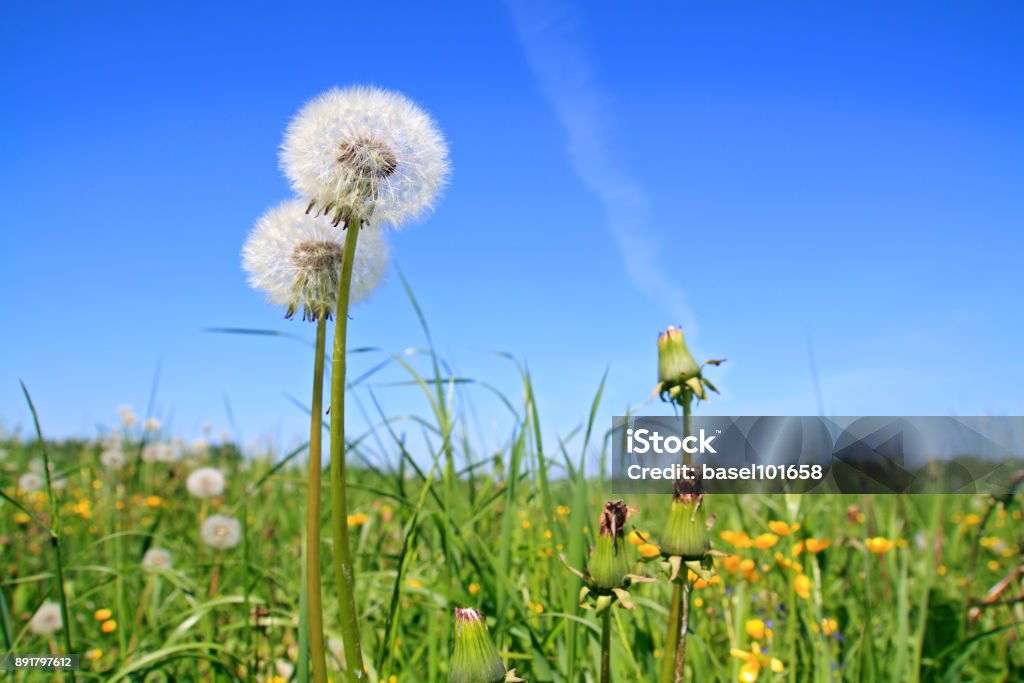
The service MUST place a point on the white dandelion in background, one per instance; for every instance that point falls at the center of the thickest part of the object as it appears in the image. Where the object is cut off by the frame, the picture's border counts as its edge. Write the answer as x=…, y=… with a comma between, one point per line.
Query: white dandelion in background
x=127, y=415
x=221, y=532
x=47, y=619
x=158, y=452
x=30, y=482
x=295, y=258
x=200, y=448
x=367, y=150
x=112, y=458
x=151, y=424
x=205, y=482
x=157, y=558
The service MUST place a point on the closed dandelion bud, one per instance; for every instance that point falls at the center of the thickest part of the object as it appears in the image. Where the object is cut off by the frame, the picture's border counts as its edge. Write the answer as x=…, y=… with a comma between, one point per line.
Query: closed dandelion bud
x=609, y=566
x=476, y=660
x=686, y=533
x=675, y=363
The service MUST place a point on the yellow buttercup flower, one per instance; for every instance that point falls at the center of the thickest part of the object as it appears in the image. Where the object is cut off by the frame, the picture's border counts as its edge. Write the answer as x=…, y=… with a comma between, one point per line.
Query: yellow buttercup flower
x=802, y=586
x=757, y=629
x=879, y=545
x=474, y=588
x=649, y=550
x=816, y=545
x=782, y=528
x=109, y=626
x=754, y=661
x=358, y=519
x=94, y=654
x=637, y=538
x=765, y=541
x=153, y=501
x=102, y=614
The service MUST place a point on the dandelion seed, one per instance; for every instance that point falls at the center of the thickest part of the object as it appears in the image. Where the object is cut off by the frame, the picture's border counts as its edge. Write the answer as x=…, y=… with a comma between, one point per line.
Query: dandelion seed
x=365, y=150
x=221, y=532
x=30, y=482
x=158, y=452
x=157, y=558
x=205, y=482
x=46, y=620
x=295, y=258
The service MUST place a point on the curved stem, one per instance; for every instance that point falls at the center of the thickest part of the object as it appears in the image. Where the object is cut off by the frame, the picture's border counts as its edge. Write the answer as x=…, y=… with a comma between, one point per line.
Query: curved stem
x=315, y=601
x=606, y=646
x=343, y=572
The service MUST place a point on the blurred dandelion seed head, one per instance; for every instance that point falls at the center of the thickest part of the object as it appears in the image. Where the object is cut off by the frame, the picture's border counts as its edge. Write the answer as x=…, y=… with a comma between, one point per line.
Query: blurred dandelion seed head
x=112, y=458
x=30, y=482
x=296, y=259
x=221, y=532
x=157, y=558
x=205, y=482
x=46, y=620
x=365, y=150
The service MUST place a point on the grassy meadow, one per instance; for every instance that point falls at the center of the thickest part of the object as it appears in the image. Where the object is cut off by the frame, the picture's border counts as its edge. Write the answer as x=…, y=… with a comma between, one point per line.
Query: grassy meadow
x=806, y=588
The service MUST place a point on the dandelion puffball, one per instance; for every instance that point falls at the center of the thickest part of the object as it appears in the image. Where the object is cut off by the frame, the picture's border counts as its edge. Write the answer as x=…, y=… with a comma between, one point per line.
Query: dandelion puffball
x=365, y=150
x=157, y=558
x=158, y=452
x=46, y=620
x=221, y=532
x=112, y=458
x=295, y=258
x=30, y=482
x=205, y=482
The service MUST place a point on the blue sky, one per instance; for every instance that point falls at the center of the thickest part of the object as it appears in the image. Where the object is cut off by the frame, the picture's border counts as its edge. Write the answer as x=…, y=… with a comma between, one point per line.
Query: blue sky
x=845, y=178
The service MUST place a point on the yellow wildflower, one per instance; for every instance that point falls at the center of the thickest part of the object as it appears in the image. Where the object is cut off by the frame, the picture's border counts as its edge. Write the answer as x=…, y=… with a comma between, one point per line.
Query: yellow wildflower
x=94, y=654
x=816, y=545
x=637, y=537
x=757, y=629
x=474, y=588
x=802, y=586
x=781, y=528
x=109, y=626
x=358, y=519
x=765, y=541
x=153, y=501
x=879, y=545
x=649, y=550
x=102, y=614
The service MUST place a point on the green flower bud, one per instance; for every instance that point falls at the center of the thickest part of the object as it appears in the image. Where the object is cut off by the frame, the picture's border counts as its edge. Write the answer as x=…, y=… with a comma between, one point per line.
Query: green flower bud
x=675, y=363
x=686, y=533
x=609, y=566
x=476, y=660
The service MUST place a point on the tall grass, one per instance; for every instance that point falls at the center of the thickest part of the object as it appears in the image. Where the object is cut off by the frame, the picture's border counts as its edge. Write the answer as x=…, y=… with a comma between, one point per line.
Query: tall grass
x=446, y=524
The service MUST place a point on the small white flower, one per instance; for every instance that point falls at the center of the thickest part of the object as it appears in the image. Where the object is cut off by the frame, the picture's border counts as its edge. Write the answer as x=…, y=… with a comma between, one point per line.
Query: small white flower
x=221, y=532
x=46, y=620
x=157, y=558
x=58, y=483
x=30, y=482
x=151, y=425
x=367, y=150
x=127, y=416
x=158, y=452
x=284, y=669
x=296, y=257
x=112, y=458
x=205, y=482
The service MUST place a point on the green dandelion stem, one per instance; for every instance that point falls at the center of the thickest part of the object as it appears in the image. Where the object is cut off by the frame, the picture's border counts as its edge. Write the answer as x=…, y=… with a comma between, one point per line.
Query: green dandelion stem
x=344, y=574
x=313, y=580
x=606, y=646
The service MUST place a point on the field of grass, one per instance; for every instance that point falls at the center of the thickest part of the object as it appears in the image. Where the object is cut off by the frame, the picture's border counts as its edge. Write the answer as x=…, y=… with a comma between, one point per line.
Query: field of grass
x=811, y=588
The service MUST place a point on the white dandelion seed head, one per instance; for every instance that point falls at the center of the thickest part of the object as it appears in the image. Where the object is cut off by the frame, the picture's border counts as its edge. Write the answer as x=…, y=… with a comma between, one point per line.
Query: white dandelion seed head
x=151, y=424
x=127, y=415
x=113, y=458
x=158, y=452
x=36, y=465
x=205, y=482
x=30, y=482
x=157, y=558
x=46, y=620
x=200, y=447
x=221, y=532
x=295, y=258
x=284, y=669
x=58, y=483
x=369, y=150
